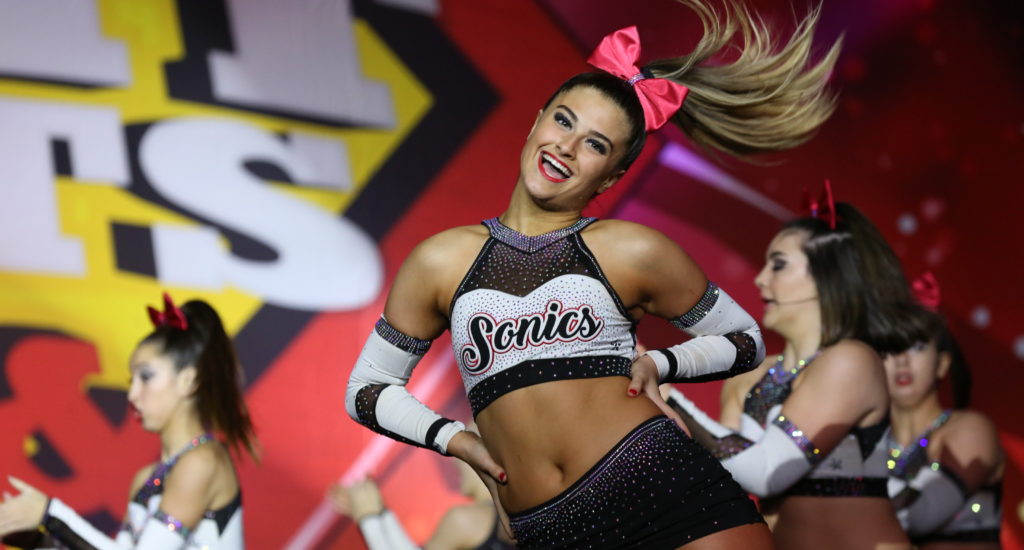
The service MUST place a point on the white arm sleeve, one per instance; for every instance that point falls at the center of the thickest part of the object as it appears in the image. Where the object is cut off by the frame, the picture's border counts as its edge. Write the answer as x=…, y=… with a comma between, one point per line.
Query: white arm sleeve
x=376, y=396
x=721, y=441
x=726, y=341
x=69, y=529
x=931, y=498
x=384, y=532
x=774, y=463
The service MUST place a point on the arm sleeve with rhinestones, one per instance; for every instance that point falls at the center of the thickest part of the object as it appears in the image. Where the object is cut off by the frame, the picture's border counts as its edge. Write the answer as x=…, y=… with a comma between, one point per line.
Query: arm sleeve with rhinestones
x=721, y=441
x=772, y=464
x=726, y=341
x=384, y=532
x=70, y=530
x=376, y=396
x=928, y=500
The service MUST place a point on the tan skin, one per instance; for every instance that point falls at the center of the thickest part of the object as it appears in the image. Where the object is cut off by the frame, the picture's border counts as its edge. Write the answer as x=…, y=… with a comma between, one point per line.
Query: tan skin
x=524, y=457
x=462, y=527
x=844, y=387
x=967, y=444
x=203, y=479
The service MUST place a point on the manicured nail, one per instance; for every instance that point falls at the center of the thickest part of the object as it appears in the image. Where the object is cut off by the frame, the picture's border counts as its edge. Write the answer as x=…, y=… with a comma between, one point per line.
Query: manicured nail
x=502, y=477
x=632, y=391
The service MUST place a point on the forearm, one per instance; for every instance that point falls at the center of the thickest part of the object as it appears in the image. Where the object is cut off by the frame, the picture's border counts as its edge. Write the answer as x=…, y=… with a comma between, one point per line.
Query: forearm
x=775, y=462
x=721, y=441
x=383, y=532
x=726, y=341
x=376, y=396
x=69, y=529
x=928, y=500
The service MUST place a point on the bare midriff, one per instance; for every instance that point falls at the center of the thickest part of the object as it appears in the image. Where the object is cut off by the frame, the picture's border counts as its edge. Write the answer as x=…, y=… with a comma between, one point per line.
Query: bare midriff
x=547, y=436
x=840, y=523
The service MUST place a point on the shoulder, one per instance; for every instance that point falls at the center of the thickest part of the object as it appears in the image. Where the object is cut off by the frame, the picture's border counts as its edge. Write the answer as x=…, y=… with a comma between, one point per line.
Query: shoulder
x=847, y=355
x=642, y=245
x=969, y=429
x=195, y=470
x=140, y=478
x=436, y=250
x=847, y=362
x=465, y=525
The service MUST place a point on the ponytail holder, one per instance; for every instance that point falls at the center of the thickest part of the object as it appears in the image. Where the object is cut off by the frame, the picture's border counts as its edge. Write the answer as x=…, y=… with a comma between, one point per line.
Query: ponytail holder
x=926, y=290
x=171, y=316
x=617, y=54
x=824, y=208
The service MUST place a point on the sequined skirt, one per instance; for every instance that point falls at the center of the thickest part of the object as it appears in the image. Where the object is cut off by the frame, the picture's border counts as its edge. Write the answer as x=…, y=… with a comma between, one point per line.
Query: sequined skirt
x=656, y=488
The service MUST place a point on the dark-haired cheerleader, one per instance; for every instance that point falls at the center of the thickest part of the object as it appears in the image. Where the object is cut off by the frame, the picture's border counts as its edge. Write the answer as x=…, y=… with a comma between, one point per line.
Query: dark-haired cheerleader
x=186, y=387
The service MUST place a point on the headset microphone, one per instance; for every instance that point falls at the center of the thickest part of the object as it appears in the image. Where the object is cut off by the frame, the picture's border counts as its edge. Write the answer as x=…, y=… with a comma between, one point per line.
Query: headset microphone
x=793, y=302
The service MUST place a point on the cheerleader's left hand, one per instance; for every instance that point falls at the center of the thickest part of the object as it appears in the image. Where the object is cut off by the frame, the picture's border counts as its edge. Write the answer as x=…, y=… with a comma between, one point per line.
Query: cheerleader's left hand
x=24, y=511
x=644, y=380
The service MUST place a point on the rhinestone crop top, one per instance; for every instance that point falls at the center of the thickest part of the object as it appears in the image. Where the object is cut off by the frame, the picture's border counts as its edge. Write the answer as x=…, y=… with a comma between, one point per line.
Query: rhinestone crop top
x=535, y=309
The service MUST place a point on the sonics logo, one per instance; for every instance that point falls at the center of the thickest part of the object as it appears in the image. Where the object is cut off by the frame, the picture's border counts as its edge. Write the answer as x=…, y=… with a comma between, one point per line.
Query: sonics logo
x=556, y=324
x=247, y=152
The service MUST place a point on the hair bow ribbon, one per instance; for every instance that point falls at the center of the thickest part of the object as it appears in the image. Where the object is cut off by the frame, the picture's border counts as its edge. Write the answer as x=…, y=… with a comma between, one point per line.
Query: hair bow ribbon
x=171, y=316
x=926, y=290
x=660, y=98
x=824, y=208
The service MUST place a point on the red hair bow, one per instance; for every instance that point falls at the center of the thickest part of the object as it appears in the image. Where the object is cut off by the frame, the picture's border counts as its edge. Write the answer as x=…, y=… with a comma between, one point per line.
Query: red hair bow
x=926, y=290
x=822, y=209
x=617, y=54
x=171, y=316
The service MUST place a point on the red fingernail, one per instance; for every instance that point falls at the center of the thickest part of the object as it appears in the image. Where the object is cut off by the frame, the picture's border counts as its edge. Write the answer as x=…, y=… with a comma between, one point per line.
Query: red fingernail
x=632, y=391
x=502, y=477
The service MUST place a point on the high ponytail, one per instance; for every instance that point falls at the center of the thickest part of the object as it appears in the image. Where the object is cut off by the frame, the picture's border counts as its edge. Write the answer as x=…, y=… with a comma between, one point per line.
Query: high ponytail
x=770, y=98
x=206, y=346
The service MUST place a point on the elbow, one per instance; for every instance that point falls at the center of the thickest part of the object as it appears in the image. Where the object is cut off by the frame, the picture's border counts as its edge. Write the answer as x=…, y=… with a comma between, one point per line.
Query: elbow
x=351, y=398
x=759, y=341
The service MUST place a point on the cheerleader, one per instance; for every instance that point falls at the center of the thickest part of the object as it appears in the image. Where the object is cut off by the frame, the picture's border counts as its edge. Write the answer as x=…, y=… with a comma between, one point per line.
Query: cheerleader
x=185, y=387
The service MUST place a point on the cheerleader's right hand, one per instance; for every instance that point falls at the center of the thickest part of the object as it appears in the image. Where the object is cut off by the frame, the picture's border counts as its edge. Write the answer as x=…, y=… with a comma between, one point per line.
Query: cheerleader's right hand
x=470, y=448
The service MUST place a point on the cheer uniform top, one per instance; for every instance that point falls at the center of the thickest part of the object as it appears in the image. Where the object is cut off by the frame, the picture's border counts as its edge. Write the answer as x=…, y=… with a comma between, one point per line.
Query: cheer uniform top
x=218, y=530
x=977, y=520
x=537, y=309
x=855, y=467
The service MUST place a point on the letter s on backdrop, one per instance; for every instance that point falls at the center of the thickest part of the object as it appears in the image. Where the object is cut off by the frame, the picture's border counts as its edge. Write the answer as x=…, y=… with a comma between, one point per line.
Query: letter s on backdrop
x=324, y=261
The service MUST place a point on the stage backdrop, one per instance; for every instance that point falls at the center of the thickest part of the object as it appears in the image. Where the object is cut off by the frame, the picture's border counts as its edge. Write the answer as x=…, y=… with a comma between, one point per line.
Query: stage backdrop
x=279, y=160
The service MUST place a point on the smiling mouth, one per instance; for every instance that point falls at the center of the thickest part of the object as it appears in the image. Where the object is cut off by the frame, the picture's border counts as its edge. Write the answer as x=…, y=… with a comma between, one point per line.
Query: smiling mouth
x=552, y=169
x=904, y=379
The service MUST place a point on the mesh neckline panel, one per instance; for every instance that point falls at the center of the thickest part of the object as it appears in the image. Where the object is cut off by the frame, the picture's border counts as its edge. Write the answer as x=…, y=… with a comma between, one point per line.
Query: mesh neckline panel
x=528, y=243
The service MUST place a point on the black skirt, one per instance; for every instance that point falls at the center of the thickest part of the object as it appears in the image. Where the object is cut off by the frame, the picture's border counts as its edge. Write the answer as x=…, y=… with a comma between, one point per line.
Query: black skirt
x=655, y=489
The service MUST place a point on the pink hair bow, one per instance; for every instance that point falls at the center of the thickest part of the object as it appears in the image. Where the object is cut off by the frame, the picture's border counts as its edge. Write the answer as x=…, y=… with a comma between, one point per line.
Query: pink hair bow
x=824, y=208
x=617, y=54
x=171, y=316
x=926, y=290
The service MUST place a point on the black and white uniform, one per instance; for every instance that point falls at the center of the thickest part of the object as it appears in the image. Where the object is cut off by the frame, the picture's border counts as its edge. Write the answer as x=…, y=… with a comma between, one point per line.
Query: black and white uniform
x=536, y=309
x=931, y=501
x=147, y=526
x=770, y=456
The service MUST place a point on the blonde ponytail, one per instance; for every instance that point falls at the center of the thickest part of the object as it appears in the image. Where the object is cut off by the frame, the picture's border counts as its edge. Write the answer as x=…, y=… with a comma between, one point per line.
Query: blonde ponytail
x=769, y=98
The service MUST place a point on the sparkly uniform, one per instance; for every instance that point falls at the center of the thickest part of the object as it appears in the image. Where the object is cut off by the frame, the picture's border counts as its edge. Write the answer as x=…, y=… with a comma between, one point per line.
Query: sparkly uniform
x=855, y=467
x=970, y=518
x=538, y=309
x=218, y=530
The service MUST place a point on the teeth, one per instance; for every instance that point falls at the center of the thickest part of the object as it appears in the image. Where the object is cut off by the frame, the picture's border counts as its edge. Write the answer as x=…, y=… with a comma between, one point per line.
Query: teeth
x=562, y=169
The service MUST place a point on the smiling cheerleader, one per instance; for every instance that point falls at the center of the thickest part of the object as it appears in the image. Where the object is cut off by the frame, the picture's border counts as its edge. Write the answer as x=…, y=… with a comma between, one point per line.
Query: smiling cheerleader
x=542, y=305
